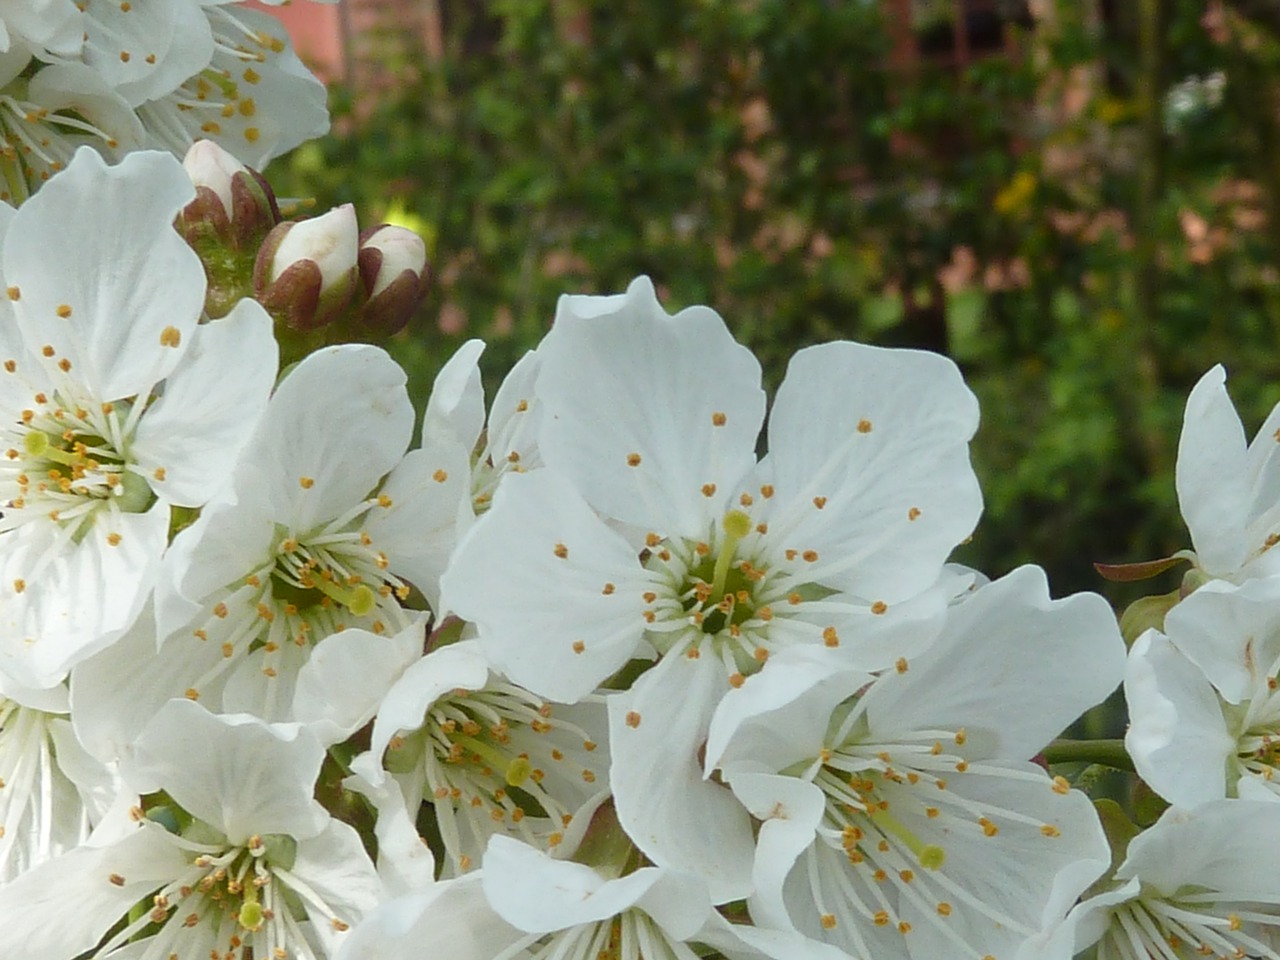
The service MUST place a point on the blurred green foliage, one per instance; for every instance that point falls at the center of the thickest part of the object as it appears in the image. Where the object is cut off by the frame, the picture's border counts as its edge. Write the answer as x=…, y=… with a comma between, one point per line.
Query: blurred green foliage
x=1044, y=215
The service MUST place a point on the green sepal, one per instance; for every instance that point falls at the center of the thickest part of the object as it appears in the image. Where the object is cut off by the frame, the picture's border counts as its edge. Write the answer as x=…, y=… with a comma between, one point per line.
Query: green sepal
x=1146, y=613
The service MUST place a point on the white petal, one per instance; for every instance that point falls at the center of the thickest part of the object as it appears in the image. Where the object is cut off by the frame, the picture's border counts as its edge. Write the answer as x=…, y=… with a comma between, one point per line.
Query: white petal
x=337, y=424
x=1211, y=478
x=405, y=861
x=249, y=688
x=63, y=907
x=343, y=682
x=537, y=894
x=1177, y=736
x=116, y=692
x=780, y=715
x=429, y=491
x=1227, y=846
x=1082, y=928
x=147, y=51
x=455, y=408
x=880, y=437
x=334, y=866
x=790, y=810
x=457, y=666
x=288, y=101
x=678, y=819
x=449, y=921
x=1231, y=633
x=211, y=403
x=1011, y=663
x=236, y=773
x=229, y=540
x=1019, y=872
x=515, y=414
x=505, y=567
x=624, y=383
x=136, y=279
x=77, y=599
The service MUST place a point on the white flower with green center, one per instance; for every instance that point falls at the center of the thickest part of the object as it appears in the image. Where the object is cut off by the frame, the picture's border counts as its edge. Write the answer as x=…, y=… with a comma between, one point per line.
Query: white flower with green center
x=487, y=755
x=306, y=541
x=650, y=423
x=234, y=858
x=900, y=818
x=1204, y=700
x=1196, y=884
x=116, y=404
x=664, y=537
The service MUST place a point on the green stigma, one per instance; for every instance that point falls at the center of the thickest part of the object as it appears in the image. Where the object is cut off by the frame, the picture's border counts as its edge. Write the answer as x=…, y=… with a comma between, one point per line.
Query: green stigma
x=932, y=856
x=929, y=855
x=251, y=915
x=35, y=443
x=360, y=599
x=518, y=771
x=736, y=525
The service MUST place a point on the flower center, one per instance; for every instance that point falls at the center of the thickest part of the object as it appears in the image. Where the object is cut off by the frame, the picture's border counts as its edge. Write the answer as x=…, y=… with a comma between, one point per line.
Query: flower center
x=727, y=596
x=69, y=459
x=497, y=759
x=245, y=899
x=308, y=587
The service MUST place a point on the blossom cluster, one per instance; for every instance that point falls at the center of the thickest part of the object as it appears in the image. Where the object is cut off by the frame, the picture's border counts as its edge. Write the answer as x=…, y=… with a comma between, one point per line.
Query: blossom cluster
x=628, y=661
x=583, y=675
x=146, y=74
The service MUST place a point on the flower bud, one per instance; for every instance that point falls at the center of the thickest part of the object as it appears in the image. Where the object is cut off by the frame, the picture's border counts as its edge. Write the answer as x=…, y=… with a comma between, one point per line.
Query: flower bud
x=305, y=273
x=394, y=273
x=233, y=204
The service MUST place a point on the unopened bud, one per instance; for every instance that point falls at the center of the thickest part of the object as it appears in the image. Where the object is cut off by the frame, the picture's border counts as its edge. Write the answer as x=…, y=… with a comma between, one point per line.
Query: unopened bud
x=233, y=204
x=305, y=273
x=393, y=271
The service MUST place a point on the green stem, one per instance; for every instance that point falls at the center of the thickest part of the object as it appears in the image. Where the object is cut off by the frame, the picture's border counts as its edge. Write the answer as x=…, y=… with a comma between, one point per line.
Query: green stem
x=1110, y=753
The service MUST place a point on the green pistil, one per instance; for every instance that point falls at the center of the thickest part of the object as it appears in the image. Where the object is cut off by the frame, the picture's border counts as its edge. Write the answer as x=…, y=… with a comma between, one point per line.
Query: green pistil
x=736, y=525
x=360, y=599
x=38, y=445
x=514, y=769
x=251, y=914
x=930, y=855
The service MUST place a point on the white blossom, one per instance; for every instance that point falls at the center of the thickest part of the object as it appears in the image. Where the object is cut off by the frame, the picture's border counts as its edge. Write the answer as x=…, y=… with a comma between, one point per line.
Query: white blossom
x=116, y=404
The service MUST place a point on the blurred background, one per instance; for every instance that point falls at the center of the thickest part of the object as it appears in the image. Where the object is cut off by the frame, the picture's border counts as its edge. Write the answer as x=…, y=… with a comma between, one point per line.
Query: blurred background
x=1077, y=200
